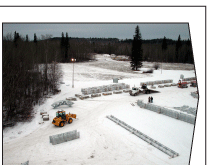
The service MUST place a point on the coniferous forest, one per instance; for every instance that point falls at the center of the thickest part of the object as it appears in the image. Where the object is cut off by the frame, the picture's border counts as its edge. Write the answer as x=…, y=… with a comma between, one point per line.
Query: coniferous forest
x=31, y=68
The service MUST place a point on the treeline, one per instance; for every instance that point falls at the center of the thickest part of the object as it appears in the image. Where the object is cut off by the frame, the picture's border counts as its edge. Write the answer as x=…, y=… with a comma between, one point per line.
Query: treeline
x=174, y=51
x=31, y=71
x=29, y=74
x=155, y=50
x=82, y=49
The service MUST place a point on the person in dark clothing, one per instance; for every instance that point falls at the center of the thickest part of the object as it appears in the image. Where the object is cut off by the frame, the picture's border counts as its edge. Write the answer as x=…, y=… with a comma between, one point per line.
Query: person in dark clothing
x=151, y=99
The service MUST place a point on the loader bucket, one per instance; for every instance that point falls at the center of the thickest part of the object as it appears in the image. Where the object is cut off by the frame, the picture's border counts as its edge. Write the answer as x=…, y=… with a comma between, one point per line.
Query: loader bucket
x=72, y=115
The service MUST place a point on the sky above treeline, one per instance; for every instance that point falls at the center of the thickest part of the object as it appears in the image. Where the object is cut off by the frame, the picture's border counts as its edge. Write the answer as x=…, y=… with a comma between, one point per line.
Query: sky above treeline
x=98, y=30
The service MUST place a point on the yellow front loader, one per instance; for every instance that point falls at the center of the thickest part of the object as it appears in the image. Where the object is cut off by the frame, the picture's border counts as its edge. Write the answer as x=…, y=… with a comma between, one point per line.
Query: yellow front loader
x=62, y=118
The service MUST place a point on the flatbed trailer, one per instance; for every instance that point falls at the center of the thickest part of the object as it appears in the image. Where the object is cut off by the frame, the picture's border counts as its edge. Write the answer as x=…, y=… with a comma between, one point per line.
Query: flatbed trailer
x=137, y=90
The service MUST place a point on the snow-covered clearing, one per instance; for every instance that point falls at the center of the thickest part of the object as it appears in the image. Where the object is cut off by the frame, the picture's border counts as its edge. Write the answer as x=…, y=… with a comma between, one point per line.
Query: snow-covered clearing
x=101, y=140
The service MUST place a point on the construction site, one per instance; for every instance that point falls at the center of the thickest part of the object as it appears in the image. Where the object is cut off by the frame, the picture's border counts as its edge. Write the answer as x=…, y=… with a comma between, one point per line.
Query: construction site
x=96, y=120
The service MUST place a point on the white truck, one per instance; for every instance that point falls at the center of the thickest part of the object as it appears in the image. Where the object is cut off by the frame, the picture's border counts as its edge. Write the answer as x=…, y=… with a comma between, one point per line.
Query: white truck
x=137, y=90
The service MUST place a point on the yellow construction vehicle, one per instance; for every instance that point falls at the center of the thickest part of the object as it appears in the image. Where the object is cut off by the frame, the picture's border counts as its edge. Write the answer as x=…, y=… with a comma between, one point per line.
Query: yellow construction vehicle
x=61, y=118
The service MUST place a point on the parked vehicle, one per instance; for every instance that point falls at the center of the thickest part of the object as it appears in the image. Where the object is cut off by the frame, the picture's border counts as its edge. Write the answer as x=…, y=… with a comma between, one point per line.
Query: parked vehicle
x=182, y=84
x=193, y=83
x=136, y=90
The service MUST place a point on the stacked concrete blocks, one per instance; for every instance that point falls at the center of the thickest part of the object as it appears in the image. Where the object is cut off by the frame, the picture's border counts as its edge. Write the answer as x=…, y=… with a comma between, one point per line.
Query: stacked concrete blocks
x=46, y=118
x=173, y=84
x=187, y=118
x=168, y=81
x=84, y=97
x=144, y=137
x=64, y=137
x=126, y=90
x=117, y=92
x=44, y=115
x=84, y=91
x=189, y=78
x=183, y=116
x=62, y=102
x=187, y=109
x=160, y=86
x=107, y=93
x=195, y=94
x=156, y=82
x=71, y=98
x=96, y=95
x=42, y=112
x=127, y=86
x=153, y=87
x=110, y=88
x=77, y=95
x=104, y=88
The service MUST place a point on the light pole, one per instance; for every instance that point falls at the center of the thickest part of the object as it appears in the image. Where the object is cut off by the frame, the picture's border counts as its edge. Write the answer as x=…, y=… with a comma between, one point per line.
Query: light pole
x=73, y=61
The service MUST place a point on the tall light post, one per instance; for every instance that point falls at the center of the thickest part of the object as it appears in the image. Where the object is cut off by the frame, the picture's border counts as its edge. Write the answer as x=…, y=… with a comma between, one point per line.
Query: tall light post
x=73, y=61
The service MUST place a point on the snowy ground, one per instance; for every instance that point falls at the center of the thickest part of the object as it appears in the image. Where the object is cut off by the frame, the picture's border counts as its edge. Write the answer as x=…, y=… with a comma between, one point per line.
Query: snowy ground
x=101, y=140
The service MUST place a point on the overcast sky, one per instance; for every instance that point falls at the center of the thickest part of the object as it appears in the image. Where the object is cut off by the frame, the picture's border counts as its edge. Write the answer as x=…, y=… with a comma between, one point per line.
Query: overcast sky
x=121, y=31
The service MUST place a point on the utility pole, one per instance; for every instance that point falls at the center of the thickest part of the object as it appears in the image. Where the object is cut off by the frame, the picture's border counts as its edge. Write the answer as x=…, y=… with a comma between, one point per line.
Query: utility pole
x=161, y=67
x=73, y=61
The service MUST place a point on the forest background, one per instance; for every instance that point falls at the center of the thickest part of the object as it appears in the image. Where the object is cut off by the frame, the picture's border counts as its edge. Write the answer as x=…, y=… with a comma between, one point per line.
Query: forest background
x=31, y=72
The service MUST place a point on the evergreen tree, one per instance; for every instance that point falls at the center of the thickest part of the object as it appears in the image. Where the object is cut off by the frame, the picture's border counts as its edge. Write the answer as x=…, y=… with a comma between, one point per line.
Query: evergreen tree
x=62, y=46
x=26, y=38
x=136, y=55
x=189, y=53
x=164, y=44
x=35, y=38
x=178, y=46
x=16, y=38
x=164, y=48
x=62, y=40
x=66, y=47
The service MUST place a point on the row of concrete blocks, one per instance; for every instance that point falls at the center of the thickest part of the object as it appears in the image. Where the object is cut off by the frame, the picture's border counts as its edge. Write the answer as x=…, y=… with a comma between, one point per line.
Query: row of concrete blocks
x=82, y=97
x=195, y=94
x=62, y=102
x=144, y=137
x=64, y=137
x=167, y=85
x=189, y=118
x=187, y=109
x=156, y=82
x=104, y=88
x=71, y=98
x=189, y=79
